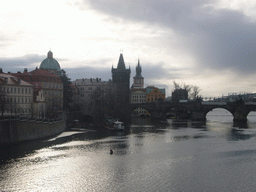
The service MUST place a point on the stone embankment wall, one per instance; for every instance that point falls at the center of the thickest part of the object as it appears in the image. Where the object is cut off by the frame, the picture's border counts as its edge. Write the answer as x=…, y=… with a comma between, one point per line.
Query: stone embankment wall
x=15, y=131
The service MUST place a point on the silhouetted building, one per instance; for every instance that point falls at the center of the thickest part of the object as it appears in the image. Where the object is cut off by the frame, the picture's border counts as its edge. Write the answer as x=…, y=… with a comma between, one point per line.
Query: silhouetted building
x=121, y=77
x=179, y=94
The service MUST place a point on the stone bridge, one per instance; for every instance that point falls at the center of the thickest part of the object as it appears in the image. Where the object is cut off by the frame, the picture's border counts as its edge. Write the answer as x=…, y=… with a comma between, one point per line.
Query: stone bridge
x=198, y=110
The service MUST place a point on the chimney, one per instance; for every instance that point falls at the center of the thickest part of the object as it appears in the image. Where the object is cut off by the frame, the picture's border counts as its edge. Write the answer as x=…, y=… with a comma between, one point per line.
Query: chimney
x=25, y=70
x=1, y=70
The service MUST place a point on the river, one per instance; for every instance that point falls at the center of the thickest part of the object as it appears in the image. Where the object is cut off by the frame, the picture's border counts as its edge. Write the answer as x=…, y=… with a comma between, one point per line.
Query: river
x=151, y=156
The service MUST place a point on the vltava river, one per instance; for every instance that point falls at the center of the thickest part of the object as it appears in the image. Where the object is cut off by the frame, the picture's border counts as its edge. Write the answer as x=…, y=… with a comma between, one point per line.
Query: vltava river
x=174, y=156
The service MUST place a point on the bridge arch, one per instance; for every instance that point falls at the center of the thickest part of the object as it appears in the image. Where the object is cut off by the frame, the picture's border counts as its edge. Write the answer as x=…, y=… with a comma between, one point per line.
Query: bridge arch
x=177, y=111
x=210, y=109
x=140, y=111
x=219, y=113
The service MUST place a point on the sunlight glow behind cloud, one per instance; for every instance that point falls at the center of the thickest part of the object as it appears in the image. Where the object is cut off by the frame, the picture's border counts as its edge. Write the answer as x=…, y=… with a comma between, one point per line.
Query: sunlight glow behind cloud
x=206, y=43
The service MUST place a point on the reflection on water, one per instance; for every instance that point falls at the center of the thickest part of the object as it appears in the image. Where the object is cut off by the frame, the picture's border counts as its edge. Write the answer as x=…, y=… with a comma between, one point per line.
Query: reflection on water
x=150, y=156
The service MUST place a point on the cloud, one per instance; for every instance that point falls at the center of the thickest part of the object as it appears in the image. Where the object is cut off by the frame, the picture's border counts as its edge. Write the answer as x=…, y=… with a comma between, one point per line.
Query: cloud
x=216, y=38
x=90, y=71
x=4, y=39
x=19, y=63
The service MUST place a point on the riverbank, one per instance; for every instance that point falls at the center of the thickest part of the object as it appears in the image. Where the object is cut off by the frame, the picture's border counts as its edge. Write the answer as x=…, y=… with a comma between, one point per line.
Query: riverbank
x=16, y=131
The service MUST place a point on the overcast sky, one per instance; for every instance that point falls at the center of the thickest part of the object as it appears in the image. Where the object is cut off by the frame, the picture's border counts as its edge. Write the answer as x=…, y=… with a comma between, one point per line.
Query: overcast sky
x=208, y=43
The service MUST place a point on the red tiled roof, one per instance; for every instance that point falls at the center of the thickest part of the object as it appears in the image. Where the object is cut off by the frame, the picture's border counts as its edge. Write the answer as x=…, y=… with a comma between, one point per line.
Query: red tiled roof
x=38, y=75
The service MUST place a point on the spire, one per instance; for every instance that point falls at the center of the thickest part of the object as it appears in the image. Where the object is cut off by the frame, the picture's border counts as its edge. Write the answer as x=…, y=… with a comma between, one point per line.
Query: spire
x=50, y=55
x=138, y=70
x=121, y=64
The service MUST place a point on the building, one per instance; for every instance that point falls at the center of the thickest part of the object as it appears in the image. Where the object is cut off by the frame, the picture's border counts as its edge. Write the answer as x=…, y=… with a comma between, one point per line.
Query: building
x=179, y=94
x=138, y=92
x=16, y=96
x=48, y=87
x=154, y=94
x=138, y=80
x=121, y=78
x=87, y=92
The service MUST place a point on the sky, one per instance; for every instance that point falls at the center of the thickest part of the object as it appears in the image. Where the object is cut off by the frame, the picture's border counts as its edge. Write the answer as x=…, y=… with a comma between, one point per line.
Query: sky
x=206, y=43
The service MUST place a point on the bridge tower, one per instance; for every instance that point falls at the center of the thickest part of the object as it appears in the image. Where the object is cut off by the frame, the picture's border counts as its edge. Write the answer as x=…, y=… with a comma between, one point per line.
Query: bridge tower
x=121, y=78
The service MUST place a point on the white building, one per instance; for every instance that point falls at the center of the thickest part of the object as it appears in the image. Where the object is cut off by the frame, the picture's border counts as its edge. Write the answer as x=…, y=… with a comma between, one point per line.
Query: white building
x=16, y=96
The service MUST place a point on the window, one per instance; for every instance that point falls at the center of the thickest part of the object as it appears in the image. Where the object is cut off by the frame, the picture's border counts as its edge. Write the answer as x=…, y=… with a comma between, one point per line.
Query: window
x=18, y=90
x=15, y=90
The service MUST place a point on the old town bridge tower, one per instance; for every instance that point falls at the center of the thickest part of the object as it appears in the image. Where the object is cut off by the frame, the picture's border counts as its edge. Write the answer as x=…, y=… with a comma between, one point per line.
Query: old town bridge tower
x=121, y=78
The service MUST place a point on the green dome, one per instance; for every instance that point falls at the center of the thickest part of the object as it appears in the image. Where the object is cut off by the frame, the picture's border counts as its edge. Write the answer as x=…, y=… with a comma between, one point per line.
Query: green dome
x=50, y=63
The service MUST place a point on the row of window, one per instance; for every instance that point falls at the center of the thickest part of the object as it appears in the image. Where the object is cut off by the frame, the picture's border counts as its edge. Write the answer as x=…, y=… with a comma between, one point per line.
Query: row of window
x=90, y=88
x=17, y=90
x=53, y=85
x=23, y=100
x=139, y=96
x=53, y=93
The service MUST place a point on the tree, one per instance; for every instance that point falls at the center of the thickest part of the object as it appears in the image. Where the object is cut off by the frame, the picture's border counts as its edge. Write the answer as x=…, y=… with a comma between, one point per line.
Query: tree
x=3, y=101
x=193, y=90
x=67, y=89
x=103, y=102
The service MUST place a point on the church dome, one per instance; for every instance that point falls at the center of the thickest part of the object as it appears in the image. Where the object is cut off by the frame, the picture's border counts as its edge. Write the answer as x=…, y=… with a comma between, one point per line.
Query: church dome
x=50, y=63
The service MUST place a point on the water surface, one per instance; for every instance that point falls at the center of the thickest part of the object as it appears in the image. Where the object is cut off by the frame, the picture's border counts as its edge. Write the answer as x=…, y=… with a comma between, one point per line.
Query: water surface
x=151, y=156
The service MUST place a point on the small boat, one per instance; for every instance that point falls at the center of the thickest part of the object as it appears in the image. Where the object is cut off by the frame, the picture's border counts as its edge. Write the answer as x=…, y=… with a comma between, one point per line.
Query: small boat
x=117, y=126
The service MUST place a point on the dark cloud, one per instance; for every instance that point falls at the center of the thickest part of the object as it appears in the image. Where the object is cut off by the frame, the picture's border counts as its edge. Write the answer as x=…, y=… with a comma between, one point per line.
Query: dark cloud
x=19, y=63
x=215, y=38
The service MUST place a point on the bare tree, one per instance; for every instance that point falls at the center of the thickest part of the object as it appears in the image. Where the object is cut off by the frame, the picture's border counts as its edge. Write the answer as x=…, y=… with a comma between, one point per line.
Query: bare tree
x=193, y=90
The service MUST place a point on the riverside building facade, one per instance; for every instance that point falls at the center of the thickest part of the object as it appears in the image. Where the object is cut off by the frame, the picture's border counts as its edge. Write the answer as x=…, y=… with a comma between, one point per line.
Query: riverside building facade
x=87, y=89
x=47, y=87
x=16, y=95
